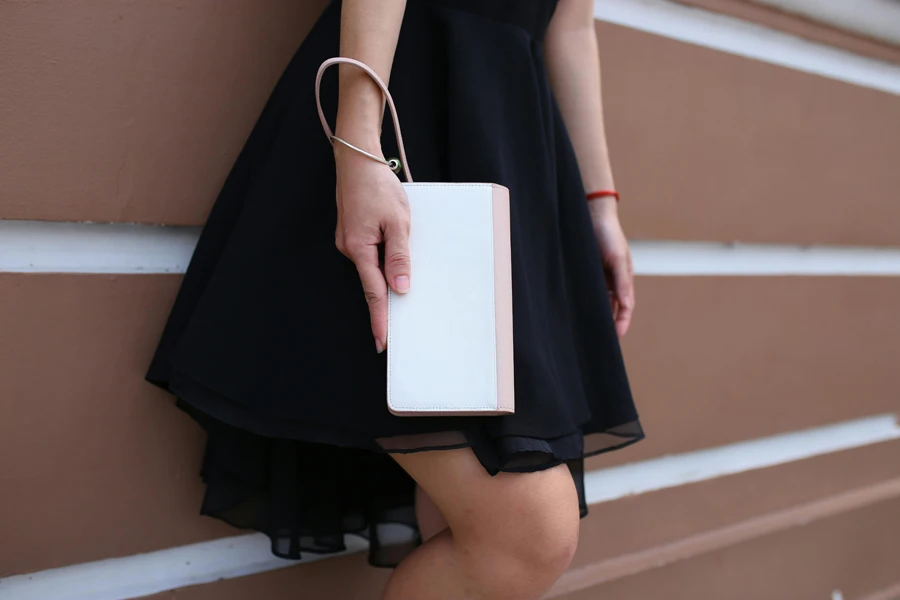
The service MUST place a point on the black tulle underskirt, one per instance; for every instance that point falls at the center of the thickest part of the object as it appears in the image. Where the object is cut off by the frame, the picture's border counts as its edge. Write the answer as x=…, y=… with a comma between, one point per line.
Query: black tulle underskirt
x=306, y=496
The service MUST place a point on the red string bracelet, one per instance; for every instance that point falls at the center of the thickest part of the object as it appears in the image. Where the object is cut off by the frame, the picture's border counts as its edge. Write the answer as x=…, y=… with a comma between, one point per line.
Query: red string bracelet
x=602, y=193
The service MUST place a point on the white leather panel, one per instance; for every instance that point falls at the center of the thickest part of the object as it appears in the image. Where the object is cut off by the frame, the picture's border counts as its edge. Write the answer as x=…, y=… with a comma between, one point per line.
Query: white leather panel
x=442, y=347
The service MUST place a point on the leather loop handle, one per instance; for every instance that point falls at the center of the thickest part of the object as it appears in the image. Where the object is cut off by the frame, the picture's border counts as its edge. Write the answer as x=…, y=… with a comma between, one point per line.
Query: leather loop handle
x=384, y=92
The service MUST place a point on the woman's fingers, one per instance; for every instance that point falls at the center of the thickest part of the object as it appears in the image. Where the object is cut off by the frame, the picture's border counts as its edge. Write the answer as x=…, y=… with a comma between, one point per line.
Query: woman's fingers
x=373, y=210
x=374, y=281
x=396, y=255
x=616, y=264
x=365, y=257
x=623, y=289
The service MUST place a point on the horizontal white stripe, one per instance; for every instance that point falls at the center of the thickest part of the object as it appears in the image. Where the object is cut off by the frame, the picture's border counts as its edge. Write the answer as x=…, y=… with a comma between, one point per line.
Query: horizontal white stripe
x=670, y=471
x=47, y=247
x=879, y=19
x=51, y=247
x=735, y=36
x=709, y=258
x=145, y=574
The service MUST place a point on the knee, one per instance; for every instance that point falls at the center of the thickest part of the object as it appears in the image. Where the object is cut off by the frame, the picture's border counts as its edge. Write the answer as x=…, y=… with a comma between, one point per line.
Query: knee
x=547, y=522
x=528, y=544
x=544, y=544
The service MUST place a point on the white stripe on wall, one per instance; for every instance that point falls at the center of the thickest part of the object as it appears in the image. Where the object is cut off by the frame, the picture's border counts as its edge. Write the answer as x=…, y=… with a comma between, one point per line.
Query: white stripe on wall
x=735, y=36
x=878, y=19
x=704, y=258
x=172, y=568
x=145, y=574
x=53, y=247
x=669, y=471
x=47, y=247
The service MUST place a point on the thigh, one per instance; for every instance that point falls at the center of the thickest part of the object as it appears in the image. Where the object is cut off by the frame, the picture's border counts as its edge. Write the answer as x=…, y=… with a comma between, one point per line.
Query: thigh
x=474, y=502
x=428, y=516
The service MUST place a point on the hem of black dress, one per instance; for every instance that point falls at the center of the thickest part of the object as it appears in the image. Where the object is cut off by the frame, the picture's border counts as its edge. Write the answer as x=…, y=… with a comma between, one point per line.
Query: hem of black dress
x=494, y=457
x=584, y=510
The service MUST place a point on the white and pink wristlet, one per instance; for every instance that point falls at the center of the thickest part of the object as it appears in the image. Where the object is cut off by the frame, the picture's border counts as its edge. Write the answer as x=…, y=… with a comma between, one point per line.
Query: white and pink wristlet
x=450, y=338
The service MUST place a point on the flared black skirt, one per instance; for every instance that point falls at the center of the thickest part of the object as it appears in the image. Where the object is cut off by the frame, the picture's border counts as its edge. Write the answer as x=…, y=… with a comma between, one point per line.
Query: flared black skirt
x=269, y=346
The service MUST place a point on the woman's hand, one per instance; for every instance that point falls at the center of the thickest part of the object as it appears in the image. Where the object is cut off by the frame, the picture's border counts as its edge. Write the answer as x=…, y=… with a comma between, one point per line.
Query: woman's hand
x=616, y=260
x=372, y=210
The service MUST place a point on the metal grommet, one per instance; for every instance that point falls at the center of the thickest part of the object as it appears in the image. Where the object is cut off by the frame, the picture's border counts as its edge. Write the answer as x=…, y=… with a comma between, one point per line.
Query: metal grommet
x=394, y=164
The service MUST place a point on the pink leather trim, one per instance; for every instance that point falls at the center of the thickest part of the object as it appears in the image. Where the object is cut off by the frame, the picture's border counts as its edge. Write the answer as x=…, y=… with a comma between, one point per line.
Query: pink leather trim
x=503, y=300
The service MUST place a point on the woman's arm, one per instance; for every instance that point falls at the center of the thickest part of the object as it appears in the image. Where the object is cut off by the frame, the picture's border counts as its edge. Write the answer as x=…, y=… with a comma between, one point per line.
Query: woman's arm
x=369, y=32
x=573, y=66
x=371, y=202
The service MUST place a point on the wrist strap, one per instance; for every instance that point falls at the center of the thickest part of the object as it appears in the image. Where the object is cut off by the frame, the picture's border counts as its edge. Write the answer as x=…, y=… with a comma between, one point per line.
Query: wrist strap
x=393, y=163
x=384, y=93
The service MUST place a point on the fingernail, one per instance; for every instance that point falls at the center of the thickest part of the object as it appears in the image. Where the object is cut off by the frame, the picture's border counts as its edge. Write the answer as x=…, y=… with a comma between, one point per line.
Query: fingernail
x=379, y=346
x=401, y=283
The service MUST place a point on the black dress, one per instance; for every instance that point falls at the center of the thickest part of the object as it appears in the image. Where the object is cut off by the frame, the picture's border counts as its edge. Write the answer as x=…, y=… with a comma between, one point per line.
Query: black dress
x=269, y=346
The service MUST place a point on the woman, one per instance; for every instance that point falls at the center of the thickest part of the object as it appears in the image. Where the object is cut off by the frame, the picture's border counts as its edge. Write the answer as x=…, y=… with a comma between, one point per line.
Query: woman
x=270, y=343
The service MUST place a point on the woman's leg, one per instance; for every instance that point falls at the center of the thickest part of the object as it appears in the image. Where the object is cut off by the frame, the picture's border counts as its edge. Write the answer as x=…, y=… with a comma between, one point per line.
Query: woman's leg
x=510, y=536
x=428, y=516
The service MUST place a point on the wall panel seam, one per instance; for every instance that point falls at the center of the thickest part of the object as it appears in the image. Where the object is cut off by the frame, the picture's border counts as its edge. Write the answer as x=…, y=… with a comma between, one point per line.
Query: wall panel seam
x=710, y=541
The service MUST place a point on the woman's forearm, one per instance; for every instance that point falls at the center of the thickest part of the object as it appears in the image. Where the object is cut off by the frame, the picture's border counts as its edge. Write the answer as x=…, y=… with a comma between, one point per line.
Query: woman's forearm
x=573, y=67
x=369, y=32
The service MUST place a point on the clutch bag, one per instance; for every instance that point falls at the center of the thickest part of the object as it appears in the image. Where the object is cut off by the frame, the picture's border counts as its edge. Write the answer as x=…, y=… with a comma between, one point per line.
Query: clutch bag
x=450, y=338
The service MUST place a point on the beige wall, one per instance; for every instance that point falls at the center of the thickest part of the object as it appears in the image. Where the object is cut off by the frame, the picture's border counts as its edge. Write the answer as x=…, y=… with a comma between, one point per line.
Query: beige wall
x=713, y=146
x=125, y=111
x=134, y=112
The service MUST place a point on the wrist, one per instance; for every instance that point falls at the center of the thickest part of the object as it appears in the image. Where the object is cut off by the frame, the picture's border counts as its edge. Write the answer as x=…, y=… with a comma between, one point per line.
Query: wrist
x=603, y=202
x=603, y=193
x=360, y=112
x=365, y=135
x=604, y=207
x=349, y=160
x=361, y=135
